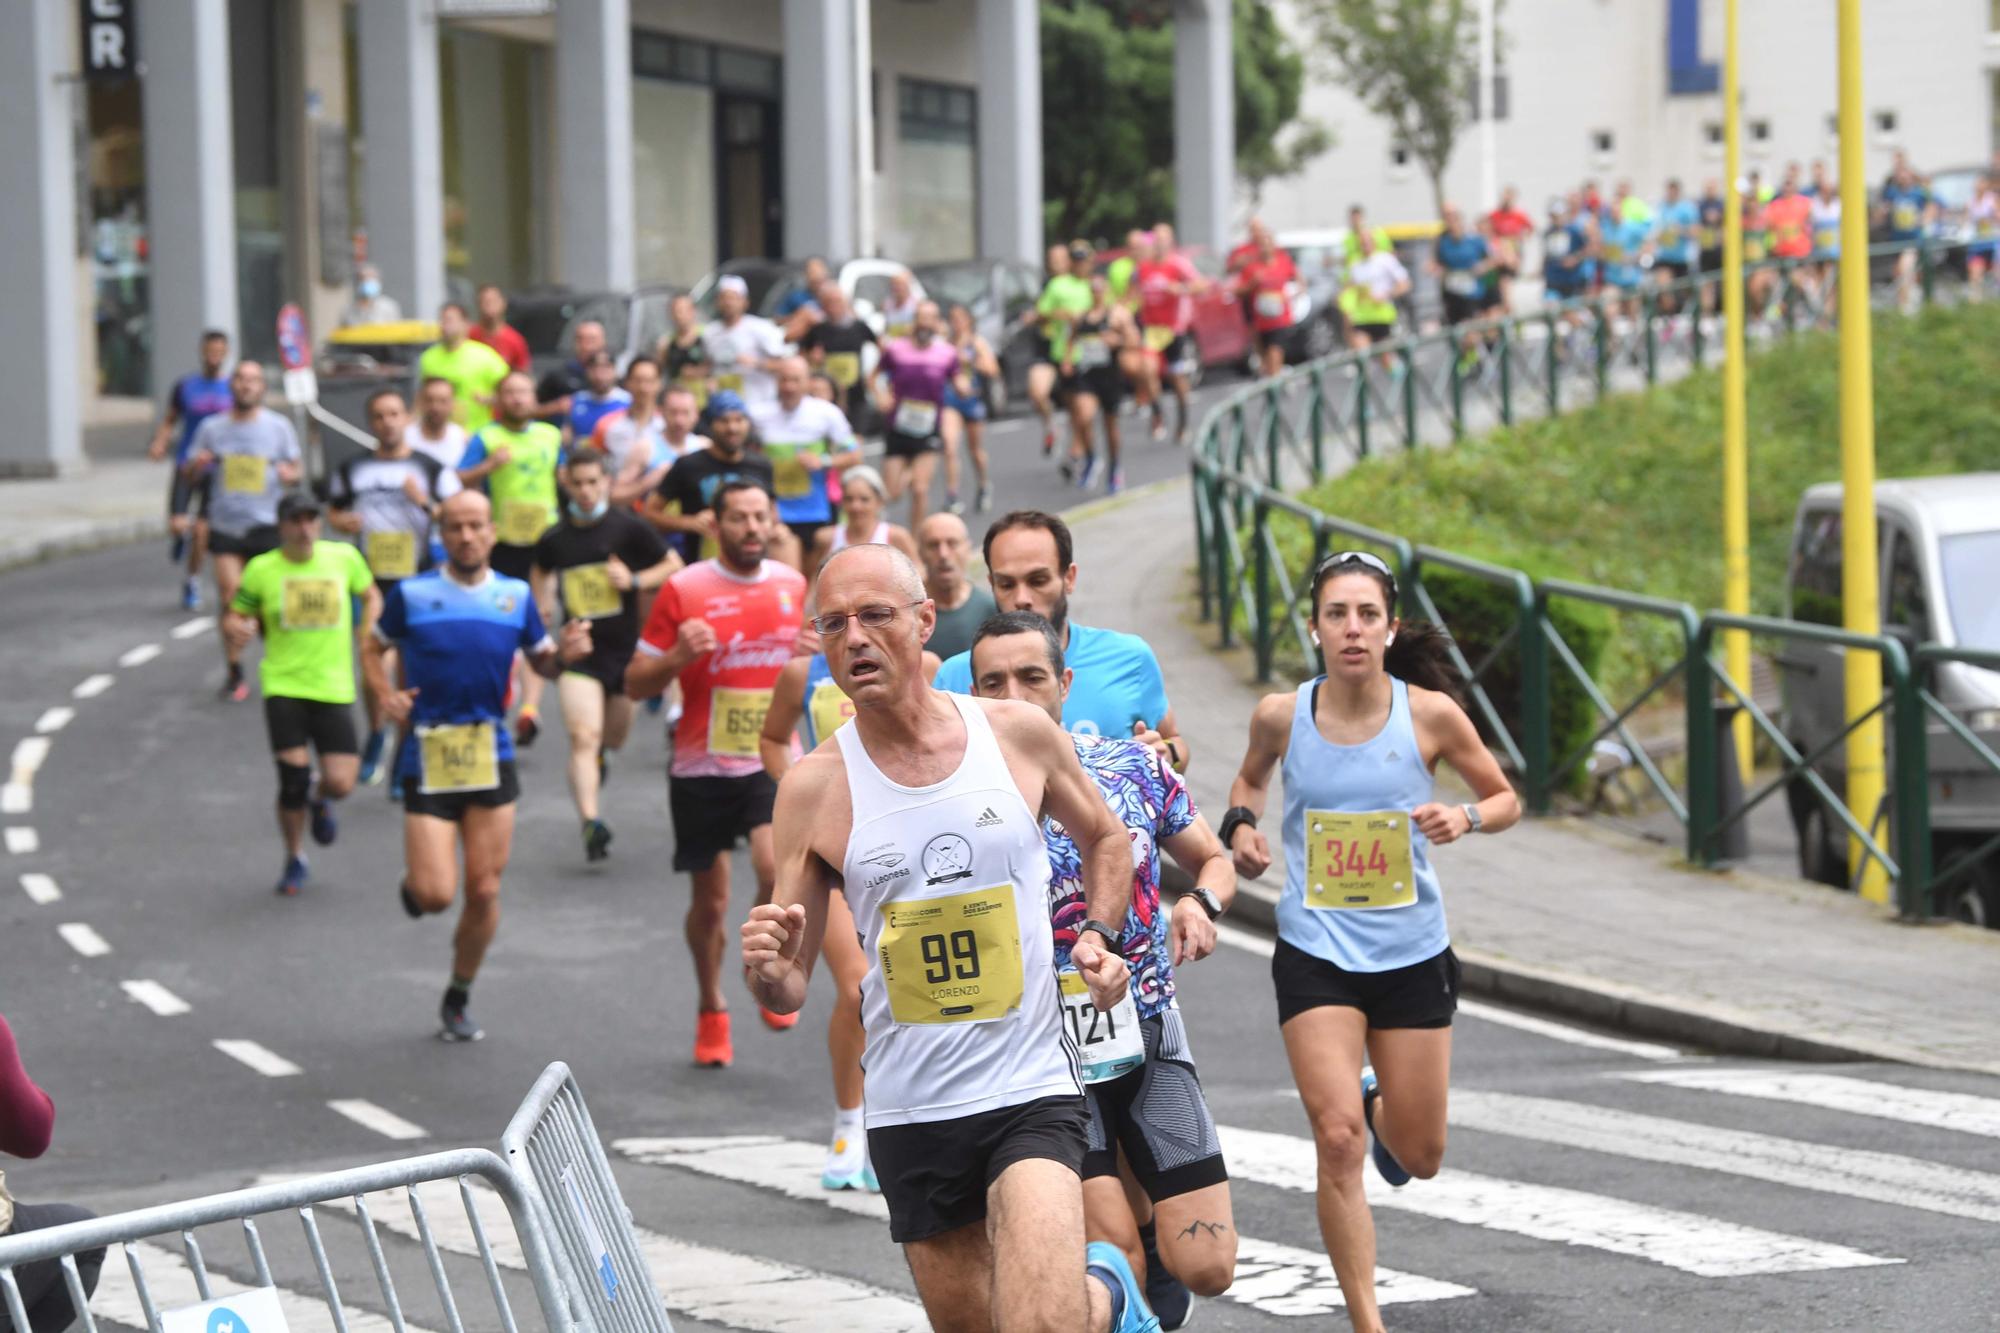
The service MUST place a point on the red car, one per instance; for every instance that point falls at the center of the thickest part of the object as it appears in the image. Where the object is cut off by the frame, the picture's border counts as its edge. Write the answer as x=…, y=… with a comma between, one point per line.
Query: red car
x=1221, y=333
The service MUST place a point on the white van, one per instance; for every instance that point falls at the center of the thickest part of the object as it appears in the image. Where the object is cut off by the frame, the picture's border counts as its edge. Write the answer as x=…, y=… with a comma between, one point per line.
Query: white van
x=1939, y=540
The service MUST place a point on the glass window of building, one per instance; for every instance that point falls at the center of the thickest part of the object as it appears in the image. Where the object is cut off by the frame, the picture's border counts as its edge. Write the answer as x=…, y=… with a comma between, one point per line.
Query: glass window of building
x=935, y=209
x=494, y=95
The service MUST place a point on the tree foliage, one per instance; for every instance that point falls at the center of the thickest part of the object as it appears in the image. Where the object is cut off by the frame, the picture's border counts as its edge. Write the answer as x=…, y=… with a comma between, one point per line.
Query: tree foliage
x=1409, y=62
x=1108, y=111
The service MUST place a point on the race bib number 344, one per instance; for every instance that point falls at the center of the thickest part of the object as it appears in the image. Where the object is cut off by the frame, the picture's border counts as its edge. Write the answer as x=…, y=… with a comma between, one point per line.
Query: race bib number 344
x=955, y=959
x=1359, y=861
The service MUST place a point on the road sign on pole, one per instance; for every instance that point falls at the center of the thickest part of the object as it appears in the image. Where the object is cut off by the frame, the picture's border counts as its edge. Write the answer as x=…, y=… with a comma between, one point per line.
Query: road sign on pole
x=294, y=345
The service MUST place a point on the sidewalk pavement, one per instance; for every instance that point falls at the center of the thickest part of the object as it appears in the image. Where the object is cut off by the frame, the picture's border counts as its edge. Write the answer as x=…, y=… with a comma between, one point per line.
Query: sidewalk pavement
x=106, y=504
x=1565, y=915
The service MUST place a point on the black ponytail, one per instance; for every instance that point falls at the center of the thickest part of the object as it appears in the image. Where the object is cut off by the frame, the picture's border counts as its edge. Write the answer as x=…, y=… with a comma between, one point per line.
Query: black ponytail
x=1421, y=656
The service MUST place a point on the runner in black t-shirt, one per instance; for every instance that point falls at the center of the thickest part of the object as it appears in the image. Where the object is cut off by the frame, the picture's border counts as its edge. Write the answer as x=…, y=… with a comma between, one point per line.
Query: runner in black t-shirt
x=603, y=558
x=835, y=346
x=693, y=480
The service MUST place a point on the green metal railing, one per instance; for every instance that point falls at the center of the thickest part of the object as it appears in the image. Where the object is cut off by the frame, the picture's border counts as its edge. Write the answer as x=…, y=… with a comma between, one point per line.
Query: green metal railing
x=1283, y=433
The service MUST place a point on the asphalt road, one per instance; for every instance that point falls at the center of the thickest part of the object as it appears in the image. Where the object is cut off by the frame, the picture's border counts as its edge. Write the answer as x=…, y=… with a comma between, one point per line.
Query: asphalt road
x=1575, y=1196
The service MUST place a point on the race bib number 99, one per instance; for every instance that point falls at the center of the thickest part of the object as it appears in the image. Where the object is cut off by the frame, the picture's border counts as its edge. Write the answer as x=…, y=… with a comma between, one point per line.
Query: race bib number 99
x=1359, y=861
x=1109, y=1043
x=310, y=604
x=458, y=758
x=735, y=721
x=952, y=960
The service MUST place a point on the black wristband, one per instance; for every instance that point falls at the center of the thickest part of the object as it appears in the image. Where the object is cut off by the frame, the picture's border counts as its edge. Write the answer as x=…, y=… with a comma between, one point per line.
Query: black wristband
x=1237, y=816
x=1110, y=935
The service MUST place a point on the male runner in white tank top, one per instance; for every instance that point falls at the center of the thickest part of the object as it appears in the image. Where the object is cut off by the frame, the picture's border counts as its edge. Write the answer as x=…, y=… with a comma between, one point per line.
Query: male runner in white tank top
x=925, y=814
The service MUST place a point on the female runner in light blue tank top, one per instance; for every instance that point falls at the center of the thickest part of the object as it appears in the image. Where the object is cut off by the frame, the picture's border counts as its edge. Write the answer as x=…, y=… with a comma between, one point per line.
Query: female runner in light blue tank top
x=1363, y=966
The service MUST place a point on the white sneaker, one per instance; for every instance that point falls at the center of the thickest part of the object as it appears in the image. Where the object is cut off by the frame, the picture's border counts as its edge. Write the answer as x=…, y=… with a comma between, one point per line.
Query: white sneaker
x=847, y=1165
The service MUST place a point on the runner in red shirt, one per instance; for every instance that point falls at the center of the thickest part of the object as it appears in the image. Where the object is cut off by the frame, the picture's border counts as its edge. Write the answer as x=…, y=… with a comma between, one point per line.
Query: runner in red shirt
x=724, y=628
x=494, y=330
x=1267, y=281
x=1505, y=226
x=1167, y=283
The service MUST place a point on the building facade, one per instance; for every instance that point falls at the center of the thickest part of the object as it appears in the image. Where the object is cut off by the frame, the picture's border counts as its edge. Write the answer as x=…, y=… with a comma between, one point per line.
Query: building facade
x=1628, y=90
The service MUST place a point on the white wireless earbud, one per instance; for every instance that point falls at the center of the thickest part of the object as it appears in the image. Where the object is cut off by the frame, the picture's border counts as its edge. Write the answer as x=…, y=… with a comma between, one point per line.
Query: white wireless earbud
x=1315, y=640
x=1391, y=639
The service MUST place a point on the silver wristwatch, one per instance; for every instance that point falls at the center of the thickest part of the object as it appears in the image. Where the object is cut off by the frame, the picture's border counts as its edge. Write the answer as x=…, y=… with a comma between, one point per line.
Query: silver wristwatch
x=1471, y=817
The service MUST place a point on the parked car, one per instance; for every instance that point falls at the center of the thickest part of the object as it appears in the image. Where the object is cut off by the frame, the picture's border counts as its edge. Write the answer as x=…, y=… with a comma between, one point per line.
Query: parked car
x=634, y=322
x=1940, y=543
x=1220, y=331
x=543, y=315
x=866, y=282
x=997, y=292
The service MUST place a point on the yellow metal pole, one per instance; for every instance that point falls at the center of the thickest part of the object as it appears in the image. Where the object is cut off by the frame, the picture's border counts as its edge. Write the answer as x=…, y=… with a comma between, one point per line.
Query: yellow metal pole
x=1860, y=586
x=1735, y=408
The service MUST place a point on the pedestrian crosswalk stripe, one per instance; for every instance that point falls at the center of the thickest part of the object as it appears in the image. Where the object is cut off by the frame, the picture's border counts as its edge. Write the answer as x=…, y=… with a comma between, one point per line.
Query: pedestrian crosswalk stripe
x=1276, y=1279
x=1880, y=1177
x=740, y=1291
x=1705, y=1246
x=1838, y=1092
x=170, y=1282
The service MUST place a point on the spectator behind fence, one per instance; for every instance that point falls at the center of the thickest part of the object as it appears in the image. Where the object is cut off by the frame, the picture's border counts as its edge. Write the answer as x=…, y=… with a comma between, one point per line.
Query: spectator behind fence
x=27, y=1120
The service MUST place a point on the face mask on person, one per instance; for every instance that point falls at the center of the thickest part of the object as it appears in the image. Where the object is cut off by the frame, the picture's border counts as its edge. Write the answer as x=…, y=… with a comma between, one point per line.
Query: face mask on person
x=590, y=515
x=369, y=289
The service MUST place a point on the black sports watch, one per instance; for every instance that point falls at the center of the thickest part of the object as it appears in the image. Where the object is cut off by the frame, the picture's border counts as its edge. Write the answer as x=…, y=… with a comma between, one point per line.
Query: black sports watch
x=1110, y=935
x=1209, y=902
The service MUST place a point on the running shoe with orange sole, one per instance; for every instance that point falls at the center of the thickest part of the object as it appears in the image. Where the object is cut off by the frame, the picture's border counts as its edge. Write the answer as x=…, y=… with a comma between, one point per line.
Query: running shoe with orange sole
x=778, y=1022
x=712, y=1046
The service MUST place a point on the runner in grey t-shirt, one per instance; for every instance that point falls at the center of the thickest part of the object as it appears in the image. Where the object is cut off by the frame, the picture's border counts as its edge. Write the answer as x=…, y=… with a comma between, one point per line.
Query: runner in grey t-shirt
x=250, y=457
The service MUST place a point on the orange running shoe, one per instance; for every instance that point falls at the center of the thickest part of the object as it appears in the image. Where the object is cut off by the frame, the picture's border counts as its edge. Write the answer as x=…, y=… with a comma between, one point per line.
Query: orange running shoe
x=778, y=1022
x=711, y=1039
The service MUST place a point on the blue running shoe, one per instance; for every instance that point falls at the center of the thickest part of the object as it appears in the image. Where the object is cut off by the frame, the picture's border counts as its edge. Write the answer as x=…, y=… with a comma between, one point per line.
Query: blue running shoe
x=325, y=828
x=1088, y=471
x=1391, y=1169
x=371, y=757
x=1172, y=1302
x=293, y=881
x=1106, y=1262
x=191, y=595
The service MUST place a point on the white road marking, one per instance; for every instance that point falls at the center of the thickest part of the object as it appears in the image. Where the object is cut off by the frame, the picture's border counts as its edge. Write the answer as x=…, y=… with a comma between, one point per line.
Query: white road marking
x=1542, y=1027
x=1644, y=1050
x=22, y=840
x=1244, y=940
x=155, y=997
x=265, y=1061
x=1879, y=1177
x=738, y=1291
x=41, y=889
x=384, y=1122
x=79, y=936
x=91, y=686
x=170, y=1282
x=1837, y=1092
x=29, y=752
x=139, y=656
x=54, y=719
x=187, y=629
x=1276, y=1279
x=1705, y=1246
x=16, y=798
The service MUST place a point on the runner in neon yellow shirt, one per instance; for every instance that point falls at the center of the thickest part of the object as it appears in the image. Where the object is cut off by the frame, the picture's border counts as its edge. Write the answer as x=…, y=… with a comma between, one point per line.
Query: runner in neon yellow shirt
x=473, y=369
x=301, y=598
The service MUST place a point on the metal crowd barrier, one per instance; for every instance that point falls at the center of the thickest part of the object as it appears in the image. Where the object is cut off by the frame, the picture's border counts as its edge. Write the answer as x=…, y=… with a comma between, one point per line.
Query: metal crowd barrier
x=575, y=1248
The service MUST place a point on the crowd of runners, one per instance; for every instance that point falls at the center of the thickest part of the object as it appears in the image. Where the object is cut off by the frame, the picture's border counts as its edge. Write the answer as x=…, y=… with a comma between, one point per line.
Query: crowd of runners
x=951, y=791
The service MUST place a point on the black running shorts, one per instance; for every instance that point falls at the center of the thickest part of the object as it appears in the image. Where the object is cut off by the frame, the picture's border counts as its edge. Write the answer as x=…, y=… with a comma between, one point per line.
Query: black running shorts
x=244, y=545
x=711, y=813
x=292, y=723
x=1422, y=995
x=1157, y=1114
x=935, y=1175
